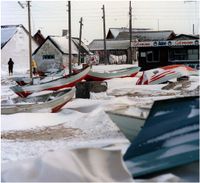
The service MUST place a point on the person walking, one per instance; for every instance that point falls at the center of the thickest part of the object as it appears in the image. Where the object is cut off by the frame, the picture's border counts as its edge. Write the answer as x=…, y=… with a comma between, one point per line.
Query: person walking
x=34, y=67
x=10, y=66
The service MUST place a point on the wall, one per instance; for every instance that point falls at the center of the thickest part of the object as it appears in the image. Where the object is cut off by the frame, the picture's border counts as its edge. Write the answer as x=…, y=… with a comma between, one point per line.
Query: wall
x=17, y=49
x=45, y=65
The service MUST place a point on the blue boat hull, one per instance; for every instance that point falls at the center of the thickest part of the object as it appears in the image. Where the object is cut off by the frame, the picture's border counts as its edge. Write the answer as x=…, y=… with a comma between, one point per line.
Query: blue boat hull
x=169, y=138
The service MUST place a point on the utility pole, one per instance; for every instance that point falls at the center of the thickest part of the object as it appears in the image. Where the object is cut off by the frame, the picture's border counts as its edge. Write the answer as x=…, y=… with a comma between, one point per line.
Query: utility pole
x=29, y=30
x=30, y=46
x=70, y=38
x=80, y=35
x=193, y=29
x=104, y=35
x=196, y=3
x=130, y=30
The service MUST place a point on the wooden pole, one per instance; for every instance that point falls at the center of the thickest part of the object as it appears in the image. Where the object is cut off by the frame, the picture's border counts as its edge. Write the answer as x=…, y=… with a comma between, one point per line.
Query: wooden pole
x=130, y=30
x=80, y=35
x=30, y=46
x=104, y=35
x=70, y=38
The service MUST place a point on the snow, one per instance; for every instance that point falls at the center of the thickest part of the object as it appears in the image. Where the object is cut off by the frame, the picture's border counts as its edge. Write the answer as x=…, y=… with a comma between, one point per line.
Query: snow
x=62, y=43
x=193, y=113
x=87, y=119
x=176, y=150
x=17, y=48
x=174, y=133
x=7, y=33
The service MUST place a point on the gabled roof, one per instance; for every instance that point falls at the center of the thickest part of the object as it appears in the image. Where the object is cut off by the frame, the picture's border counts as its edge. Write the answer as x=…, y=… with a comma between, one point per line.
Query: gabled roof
x=83, y=48
x=148, y=35
x=98, y=44
x=114, y=32
x=8, y=31
x=186, y=36
x=62, y=44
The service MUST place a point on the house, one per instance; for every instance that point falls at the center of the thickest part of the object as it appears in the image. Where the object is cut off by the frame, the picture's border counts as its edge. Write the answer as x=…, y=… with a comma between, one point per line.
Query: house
x=121, y=38
x=147, y=35
x=39, y=38
x=15, y=45
x=114, y=47
x=181, y=49
x=114, y=32
x=53, y=54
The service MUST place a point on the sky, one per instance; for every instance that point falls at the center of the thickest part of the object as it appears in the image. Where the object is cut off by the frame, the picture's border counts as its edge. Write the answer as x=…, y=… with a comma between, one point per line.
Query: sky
x=51, y=17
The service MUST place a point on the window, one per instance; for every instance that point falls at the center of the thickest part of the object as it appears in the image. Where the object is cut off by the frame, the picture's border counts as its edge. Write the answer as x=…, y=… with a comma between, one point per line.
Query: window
x=152, y=56
x=193, y=54
x=180, y=54
x=143, y=54
x=47, y=57
x=149, y=55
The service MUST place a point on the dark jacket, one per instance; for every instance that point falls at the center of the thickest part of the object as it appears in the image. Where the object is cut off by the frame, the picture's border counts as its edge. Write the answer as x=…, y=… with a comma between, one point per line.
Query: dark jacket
x=10, y=63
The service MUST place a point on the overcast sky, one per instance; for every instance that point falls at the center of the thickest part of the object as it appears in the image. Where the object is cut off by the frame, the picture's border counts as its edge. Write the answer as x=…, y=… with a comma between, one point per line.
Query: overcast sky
x=52, y=16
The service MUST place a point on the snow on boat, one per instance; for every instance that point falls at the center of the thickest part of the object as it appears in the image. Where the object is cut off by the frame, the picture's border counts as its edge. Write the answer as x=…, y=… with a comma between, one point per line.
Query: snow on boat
x=129, y=119
x=51, y=102
x=64, y=82
x=169, y=138
x=40, y=79
x=23, y=80
x=163, y=74
x=120, y=73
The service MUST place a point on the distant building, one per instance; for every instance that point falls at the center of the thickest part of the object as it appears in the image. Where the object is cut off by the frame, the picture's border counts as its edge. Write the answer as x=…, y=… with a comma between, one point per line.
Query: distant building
x=120, y=45
x=15, y=45
x=39, y=38
x=113, y=47
x=113, y=33
x=181, y=49
x=53, y=54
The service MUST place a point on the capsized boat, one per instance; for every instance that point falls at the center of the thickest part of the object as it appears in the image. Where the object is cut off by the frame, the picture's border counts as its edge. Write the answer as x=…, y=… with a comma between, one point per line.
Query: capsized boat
x=164, y=74
x=119, y=73
x=64, y=82
x=51, y=102
x=169, y=138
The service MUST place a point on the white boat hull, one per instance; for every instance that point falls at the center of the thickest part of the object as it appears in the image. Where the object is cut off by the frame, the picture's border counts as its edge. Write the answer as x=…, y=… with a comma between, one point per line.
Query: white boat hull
x=129, y=125
x=51, y=105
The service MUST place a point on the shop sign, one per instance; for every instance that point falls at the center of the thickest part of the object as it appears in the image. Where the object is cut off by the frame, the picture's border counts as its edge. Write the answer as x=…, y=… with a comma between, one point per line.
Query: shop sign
x=165, y=43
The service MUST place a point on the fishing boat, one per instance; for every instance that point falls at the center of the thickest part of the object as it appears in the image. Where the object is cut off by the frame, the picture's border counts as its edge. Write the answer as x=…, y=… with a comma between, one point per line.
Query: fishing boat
x=40, y=79
x=50, y=101
x=64, y=82
x=23, y=80
x=164, y=74
x=129, y=119
x=169, y=138
x=120, y=73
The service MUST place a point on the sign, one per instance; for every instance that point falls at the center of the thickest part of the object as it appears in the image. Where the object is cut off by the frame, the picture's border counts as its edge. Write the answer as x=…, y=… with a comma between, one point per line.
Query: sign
x=165, y=43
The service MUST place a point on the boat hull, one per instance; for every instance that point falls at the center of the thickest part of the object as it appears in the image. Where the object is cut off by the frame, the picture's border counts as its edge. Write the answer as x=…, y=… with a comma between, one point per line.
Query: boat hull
x=129, y=125
x=121, y=73
x=53, y=105
x=168, y=139
x=64, y=82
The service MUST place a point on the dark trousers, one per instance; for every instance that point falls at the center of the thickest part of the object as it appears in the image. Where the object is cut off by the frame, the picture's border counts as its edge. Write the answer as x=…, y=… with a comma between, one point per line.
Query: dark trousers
x=10, y=69
x=34, y=70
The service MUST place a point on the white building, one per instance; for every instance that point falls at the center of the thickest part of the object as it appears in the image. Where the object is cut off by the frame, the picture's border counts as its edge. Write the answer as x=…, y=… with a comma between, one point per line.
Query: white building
x=53, y=54
x=15, y=45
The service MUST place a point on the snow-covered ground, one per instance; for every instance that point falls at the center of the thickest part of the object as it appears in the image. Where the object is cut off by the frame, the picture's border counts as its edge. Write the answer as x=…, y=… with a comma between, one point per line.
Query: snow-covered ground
x=81, y=122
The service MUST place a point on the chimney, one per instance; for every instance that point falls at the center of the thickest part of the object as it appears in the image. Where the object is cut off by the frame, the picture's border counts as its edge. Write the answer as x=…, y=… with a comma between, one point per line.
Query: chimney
x=64, y=32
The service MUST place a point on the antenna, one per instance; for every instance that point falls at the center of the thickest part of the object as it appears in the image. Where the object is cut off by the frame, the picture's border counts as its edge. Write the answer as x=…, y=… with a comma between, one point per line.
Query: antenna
x=22, y=6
